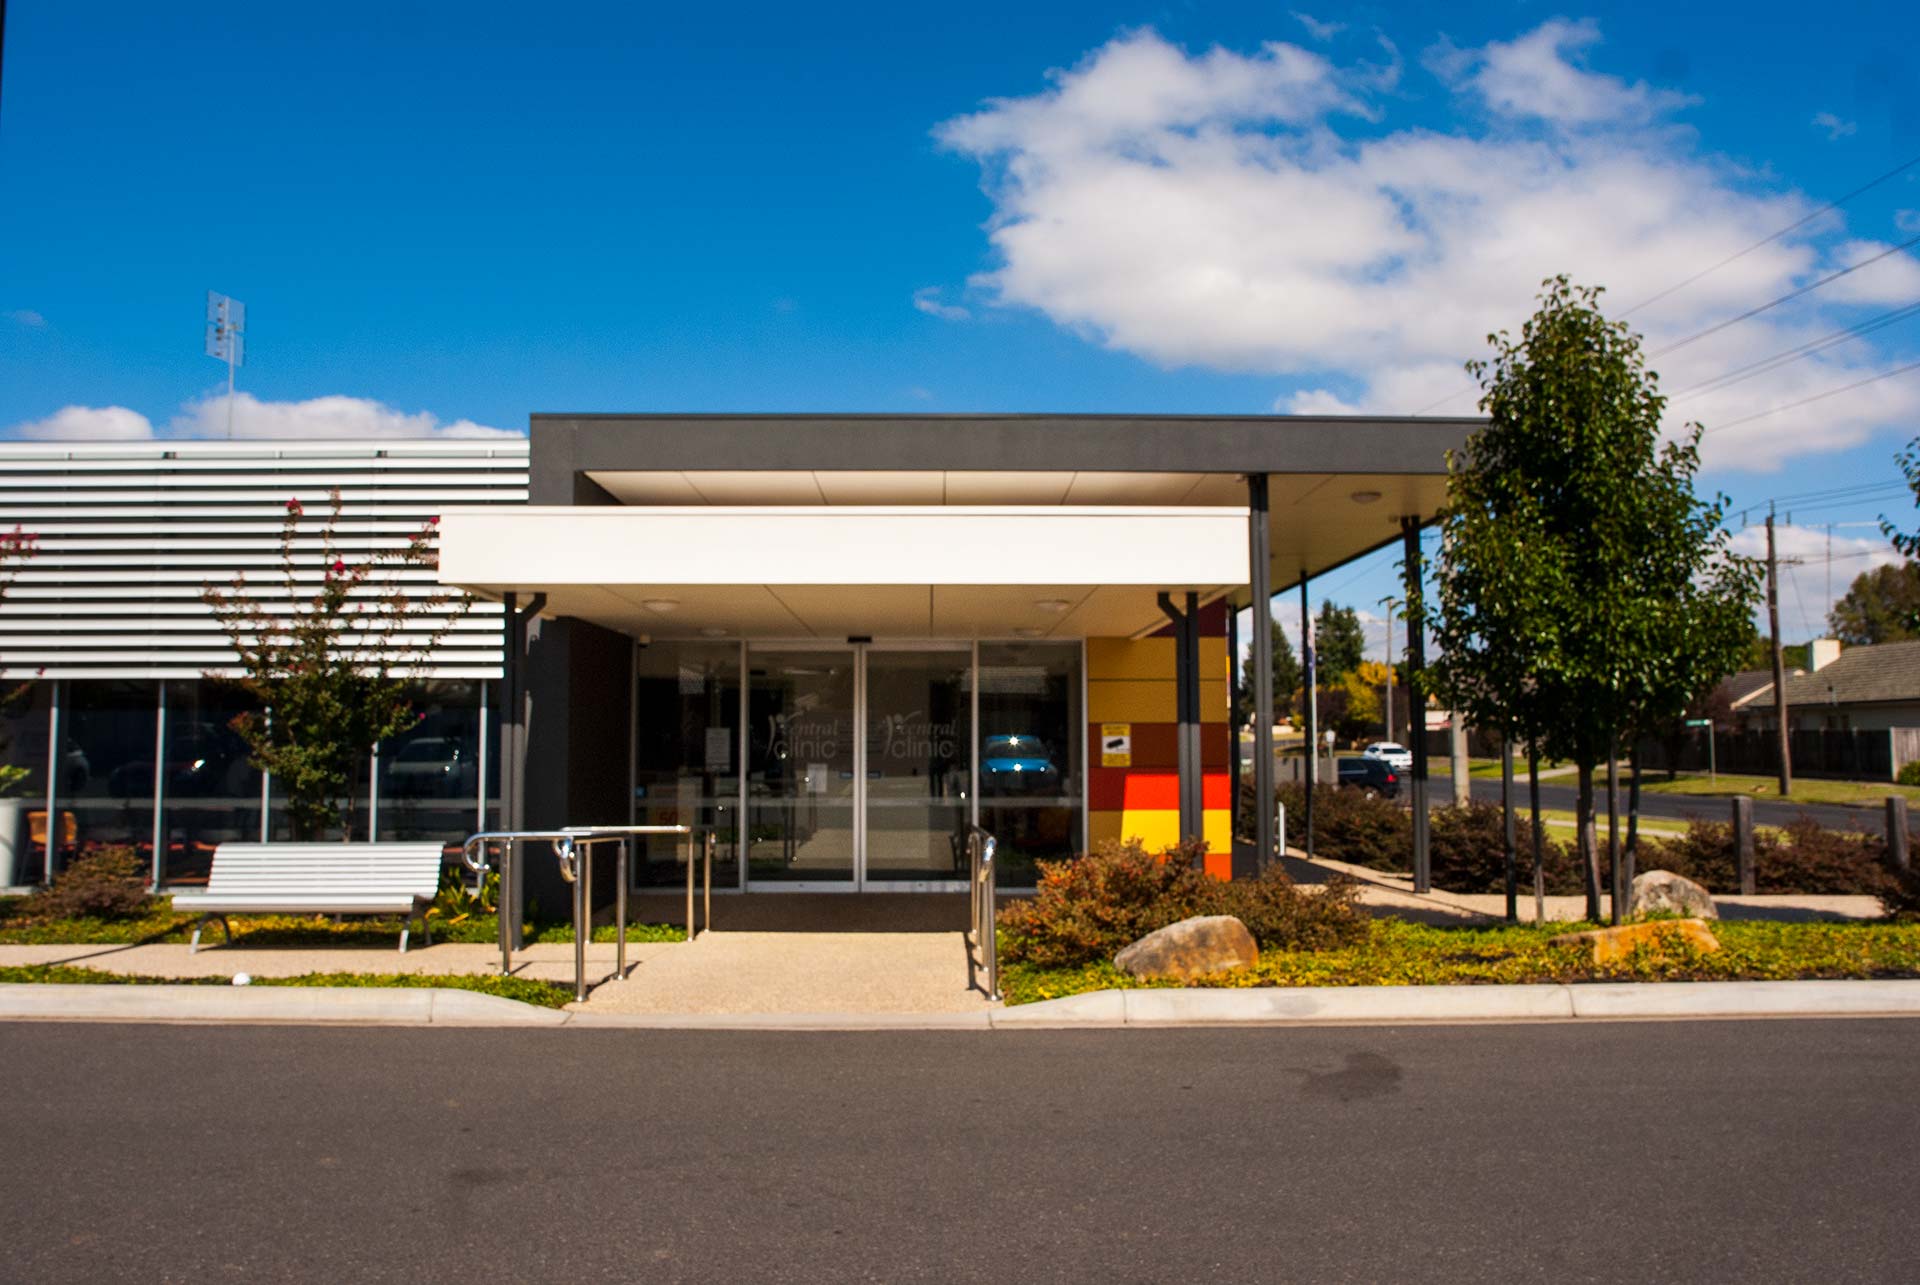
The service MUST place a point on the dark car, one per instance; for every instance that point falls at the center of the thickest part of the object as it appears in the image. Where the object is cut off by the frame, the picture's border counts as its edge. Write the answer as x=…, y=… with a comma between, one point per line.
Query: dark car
x=1373, y=775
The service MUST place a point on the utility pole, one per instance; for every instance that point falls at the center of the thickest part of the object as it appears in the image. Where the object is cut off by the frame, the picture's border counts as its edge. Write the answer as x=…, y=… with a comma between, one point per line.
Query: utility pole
x=1779, y=663
x=1389, y=603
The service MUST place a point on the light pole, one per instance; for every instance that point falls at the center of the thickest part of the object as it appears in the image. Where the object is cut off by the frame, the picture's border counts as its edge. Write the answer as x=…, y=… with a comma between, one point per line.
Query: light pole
x=1389, y=603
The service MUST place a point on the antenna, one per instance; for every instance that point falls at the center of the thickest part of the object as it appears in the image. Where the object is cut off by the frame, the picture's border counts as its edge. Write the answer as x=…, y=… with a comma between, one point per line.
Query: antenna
x=227, y=340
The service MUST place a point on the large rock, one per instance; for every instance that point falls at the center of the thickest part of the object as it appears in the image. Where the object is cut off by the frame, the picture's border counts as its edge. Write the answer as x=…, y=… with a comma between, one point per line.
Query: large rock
x=1659, y=891
x=1191, y=948
x=1612, y=945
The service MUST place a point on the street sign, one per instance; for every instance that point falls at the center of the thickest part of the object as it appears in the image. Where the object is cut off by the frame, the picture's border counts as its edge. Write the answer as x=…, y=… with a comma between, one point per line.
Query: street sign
x=1699, y=722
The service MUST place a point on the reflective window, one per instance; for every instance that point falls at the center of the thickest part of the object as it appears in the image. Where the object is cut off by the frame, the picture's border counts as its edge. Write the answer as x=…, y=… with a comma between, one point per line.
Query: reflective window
x=1032, y=743
x=106, y=769
x=686, y=752
x=212, y=795
x=919, y=764
x=430, y=774
x=800, y=759
x=23, y=806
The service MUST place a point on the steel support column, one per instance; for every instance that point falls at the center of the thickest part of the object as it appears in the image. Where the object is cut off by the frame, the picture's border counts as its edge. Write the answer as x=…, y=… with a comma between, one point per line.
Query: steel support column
x=1309, y=666
x=1260, y=624
x=1186, y=670
x=1233, y=723
x=1417, y=699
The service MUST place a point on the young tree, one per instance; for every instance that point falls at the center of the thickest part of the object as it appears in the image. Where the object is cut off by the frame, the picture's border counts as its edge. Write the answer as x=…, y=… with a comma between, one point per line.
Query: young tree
x=1586, y=594
x=1881, y=606
x=16, y=547
x=328, y=672
x=1338, y=641
x=1286, y=675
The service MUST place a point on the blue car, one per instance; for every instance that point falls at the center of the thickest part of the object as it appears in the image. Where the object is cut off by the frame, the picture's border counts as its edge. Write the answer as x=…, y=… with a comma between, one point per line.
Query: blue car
x=1017, y=764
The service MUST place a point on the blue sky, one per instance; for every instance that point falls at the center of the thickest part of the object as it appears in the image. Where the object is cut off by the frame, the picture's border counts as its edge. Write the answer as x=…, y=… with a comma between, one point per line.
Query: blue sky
x=442, y=217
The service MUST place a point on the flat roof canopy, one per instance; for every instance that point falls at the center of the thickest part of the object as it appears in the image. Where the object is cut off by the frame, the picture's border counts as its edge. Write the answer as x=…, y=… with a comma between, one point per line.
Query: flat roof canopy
x=1339, y=485
x=892, y=571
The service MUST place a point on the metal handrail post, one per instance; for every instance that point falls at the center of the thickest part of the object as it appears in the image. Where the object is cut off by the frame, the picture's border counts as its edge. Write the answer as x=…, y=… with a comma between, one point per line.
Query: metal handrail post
x=581, y=909
x=620, y=910
x=981, y=889
x=690, y=926
x=707, y=880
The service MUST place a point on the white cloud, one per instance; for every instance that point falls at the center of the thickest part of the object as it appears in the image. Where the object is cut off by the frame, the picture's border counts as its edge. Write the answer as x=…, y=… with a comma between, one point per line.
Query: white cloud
x=1207, y=209
x=1321, y=31
x=927, y=300
x=318, y=418
x=1836, y=128
x=1804, y=569
x=87, y=424
x=1907, y=220
x=1539, y=75
x=27, y=317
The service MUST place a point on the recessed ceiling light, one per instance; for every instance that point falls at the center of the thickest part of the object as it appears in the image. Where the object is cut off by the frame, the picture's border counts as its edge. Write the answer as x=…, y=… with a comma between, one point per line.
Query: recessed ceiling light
x=713, y=631
x=1055, y=605
x=1364, y=497
x=1026, y=633
x=661, y=605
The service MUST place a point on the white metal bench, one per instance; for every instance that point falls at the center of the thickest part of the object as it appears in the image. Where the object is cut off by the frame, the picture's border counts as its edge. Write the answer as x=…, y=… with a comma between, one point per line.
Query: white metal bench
x=318, y=879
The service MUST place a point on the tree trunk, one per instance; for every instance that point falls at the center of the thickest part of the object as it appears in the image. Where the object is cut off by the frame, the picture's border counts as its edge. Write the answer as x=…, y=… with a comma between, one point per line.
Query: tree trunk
x=1508, y=853
x=1616, y=895
x=1539, y=851
x=1632, y=854
x=1589, y=848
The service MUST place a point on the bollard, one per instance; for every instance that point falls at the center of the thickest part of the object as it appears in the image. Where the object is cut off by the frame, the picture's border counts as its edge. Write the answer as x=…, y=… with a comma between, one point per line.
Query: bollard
x=1897, y=855
x=1280, y=829
x=1743, y=842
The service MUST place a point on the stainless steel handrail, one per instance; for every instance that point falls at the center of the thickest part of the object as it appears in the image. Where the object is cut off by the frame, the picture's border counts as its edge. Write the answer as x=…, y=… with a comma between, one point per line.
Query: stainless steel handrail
x=983, y=953
x=573, y=848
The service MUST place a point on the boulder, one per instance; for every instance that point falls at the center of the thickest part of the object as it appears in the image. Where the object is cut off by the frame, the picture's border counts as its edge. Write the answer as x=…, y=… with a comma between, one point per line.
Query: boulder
x=1662, y=890
x=1611, y=945
x=1191, y=948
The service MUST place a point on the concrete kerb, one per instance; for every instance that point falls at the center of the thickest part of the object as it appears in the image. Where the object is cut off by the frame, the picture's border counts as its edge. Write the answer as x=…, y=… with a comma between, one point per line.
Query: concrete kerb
x=1277, y=1006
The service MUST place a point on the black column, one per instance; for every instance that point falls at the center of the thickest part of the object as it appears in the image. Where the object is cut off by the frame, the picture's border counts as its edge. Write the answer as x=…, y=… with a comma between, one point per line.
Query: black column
x=1417, y=699
x=1260, y=622
x=1310, y=668
x=1186, y=674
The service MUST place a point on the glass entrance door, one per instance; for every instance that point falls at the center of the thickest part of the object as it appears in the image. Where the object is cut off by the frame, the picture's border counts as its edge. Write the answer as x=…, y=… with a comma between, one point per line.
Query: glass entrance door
x=859, y=765
x=802, y=766
x=918, y=776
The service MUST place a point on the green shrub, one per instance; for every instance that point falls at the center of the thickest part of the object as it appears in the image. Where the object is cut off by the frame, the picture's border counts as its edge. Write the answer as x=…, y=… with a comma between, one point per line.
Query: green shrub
x=1803, y=858
x=1468, y=850
x=1351, y=826
x=1910, y=773
x=102, y=883
x=1088, y=909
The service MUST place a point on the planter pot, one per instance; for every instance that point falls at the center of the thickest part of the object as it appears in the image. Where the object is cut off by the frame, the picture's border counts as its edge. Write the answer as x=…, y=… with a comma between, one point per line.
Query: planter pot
x=13, y=842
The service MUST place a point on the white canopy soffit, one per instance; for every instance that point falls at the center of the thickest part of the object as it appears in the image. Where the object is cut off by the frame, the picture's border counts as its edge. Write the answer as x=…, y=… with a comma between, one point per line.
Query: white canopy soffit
x=896, y=571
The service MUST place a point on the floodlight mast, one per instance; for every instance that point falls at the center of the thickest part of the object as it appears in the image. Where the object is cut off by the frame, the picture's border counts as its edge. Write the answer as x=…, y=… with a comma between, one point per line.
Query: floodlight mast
x=226, y=340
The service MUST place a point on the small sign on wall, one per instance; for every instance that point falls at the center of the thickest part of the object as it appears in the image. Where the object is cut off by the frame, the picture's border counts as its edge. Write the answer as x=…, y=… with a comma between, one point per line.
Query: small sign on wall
x=1116, y=745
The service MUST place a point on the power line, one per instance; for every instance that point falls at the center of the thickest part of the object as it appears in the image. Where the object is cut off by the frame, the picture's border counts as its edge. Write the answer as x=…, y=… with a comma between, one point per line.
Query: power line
x=1834, y=204
x=1785, y=298
x=1741, y=374
x=1831, y=392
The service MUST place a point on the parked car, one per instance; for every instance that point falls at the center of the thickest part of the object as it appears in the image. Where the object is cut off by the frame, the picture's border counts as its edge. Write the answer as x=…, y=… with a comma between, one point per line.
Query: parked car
x=1392, y=753
x=1017, y=764
x=1375, y=776
x=430, y=767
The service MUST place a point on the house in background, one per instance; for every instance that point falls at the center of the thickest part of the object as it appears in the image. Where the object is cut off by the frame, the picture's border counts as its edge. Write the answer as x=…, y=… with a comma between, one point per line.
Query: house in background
x=1856, y=689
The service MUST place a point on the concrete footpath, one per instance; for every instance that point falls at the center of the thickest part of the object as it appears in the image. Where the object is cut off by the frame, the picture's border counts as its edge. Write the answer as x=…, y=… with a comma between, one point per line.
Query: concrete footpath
x=1277, y=1006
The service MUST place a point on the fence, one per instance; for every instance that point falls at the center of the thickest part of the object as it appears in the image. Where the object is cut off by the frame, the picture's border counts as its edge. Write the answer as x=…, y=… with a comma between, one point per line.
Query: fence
x=1855, y=755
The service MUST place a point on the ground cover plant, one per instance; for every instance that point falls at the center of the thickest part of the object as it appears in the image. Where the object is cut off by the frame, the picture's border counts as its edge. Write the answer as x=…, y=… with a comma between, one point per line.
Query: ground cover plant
x=1393, y=952
x=521, y=989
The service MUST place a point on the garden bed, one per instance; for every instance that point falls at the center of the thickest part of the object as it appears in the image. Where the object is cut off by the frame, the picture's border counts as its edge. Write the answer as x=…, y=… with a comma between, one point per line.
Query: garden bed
x=521, y=989
x=1397, y=953
x=19, y=926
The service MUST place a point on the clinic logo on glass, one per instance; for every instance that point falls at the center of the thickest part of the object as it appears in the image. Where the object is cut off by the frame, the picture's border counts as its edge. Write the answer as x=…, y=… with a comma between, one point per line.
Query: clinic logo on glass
x=803, y=736
x=915, y=736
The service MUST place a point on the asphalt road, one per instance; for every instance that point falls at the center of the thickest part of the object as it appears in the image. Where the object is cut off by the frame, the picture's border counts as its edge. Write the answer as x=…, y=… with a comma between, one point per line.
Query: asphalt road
x=1673, y=807
x=1635, y=1152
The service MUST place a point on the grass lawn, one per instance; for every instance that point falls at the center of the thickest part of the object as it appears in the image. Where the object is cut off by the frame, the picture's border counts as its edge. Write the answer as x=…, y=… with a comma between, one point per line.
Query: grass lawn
x=524, y=990
x=162, y=924
x=1398, y=953
x=1805, y=789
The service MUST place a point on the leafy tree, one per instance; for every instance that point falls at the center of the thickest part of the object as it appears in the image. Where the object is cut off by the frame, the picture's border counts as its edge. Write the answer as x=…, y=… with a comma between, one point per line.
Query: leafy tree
x=1286, y=676
x=328, y=672
x=1585, y=594
x=1881, y=606
x=1338, y=643
x=16, y=546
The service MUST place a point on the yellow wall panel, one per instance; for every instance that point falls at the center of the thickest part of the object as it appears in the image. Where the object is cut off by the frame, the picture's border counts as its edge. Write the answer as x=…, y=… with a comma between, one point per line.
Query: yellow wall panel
x=1219, y=831
x=1157, y=830
x=1131, y=700
x=1103, y=827
x=1130, y=658
x=1213, y=657
x=1214, y=706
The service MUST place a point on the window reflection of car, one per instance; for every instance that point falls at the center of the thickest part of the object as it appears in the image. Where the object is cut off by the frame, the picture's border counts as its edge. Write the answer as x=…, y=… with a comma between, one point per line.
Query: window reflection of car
x=203, y=760
x=1017, y=764
x=430, y=767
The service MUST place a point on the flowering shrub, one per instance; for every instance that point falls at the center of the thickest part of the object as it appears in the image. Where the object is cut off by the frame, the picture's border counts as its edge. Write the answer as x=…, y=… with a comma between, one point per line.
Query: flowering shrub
x=102, y=883
x=1088, y=909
